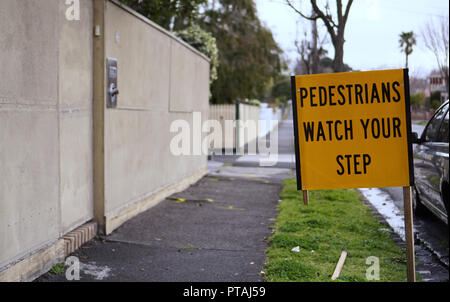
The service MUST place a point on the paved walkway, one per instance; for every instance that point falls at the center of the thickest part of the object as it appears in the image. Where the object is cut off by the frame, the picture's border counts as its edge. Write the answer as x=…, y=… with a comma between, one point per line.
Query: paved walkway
x=216, y=230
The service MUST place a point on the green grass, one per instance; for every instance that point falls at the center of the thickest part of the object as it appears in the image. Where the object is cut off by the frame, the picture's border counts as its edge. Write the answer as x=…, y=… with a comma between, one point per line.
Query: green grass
x=422, y=123
x=58, y=268
x=334, y=220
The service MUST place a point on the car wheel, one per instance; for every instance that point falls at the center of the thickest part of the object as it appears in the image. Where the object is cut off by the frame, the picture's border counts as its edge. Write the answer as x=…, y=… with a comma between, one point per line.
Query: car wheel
x=418, y=207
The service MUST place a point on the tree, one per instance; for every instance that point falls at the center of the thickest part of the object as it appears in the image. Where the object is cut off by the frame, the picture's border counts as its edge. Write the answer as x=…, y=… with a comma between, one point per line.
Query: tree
x=434, y=100
x=249, y=57
x=407, y=41
x=418, y=100
x=282, y=88
x=309, y=62
x=325, y=66
x=335, y=26
x=310, y=52
x=435, y=37
x=170, y=14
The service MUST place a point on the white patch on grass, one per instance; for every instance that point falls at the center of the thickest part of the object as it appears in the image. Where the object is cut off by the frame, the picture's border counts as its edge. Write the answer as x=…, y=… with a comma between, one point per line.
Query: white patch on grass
x=296, y=249
x=386, y=207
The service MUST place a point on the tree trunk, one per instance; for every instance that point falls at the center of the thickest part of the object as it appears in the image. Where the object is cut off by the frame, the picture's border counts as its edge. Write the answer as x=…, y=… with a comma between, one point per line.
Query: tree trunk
x=315, y=52
x=338, y=62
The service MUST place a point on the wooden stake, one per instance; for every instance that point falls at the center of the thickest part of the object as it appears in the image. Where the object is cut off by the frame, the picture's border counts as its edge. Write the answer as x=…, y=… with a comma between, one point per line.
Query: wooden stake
x=339, y=265
x=409, y=235
x=305, y=197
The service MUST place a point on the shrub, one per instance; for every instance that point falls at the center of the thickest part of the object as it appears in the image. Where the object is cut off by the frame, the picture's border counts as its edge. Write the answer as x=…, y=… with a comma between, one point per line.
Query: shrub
x=418, y=99
x=254, y=102
x=204, y=42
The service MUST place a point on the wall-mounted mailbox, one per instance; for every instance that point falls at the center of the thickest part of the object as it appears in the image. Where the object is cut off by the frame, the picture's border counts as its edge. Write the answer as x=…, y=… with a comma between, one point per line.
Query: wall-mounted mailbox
x=112, y=88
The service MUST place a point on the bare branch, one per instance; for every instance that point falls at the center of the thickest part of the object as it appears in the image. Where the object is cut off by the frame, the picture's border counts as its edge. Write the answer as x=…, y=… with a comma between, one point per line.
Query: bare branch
x=328, y=15
x=335, y=27
x=325, y=20
x=339, y=11
x=311, y=18
x=347, y=10
x=436, y=40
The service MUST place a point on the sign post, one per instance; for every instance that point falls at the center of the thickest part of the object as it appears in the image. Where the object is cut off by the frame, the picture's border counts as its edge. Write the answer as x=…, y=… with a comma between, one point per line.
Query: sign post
x=409, y=235
x=305, y=197
x=353, y=130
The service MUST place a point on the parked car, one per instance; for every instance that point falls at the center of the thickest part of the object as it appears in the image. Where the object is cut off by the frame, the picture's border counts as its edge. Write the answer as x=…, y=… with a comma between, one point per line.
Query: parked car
x=431, y=166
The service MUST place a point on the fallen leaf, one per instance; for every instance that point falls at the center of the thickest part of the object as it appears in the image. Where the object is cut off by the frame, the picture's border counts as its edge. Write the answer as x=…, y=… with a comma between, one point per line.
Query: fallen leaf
x=231, y=208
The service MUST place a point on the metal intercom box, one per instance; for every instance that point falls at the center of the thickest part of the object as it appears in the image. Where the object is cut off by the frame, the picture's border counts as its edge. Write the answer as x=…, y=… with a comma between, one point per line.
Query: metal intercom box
x=112, y=88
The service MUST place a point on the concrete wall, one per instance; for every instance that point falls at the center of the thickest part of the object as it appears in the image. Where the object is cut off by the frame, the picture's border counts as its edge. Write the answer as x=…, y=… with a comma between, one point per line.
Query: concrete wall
x=75, y=116
x=45, y=124
x=48, y=134
x=160, y=80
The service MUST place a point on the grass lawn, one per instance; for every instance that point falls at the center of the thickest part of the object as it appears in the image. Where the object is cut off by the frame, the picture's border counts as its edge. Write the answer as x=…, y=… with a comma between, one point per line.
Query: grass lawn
x=334, y=220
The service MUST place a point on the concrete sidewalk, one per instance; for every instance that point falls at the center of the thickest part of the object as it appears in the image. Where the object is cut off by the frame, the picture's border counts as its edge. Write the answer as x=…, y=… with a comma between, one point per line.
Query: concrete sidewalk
x=216, y=230
x=194, y=240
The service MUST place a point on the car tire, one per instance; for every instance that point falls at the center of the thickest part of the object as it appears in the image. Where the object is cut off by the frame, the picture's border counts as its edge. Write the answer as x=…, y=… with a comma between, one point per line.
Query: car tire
x=418, y=207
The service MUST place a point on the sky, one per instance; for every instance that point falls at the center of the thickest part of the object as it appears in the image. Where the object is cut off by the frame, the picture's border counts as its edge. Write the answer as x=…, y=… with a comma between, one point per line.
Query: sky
x=371, y=34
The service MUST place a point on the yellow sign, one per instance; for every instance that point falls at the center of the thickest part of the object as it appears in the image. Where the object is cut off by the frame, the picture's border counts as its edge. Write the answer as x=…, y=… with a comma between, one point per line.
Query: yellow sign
x=352, y=130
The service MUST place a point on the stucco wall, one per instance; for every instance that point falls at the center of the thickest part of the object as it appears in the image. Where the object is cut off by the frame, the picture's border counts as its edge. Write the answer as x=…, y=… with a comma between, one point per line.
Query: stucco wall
x=29, y=165
x=46, y=119
x=75, y=116
x=160, y=80
x=45, y=124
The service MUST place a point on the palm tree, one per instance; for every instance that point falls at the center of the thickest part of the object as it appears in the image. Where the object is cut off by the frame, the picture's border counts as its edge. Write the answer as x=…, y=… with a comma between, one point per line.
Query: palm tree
x=407, y=40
